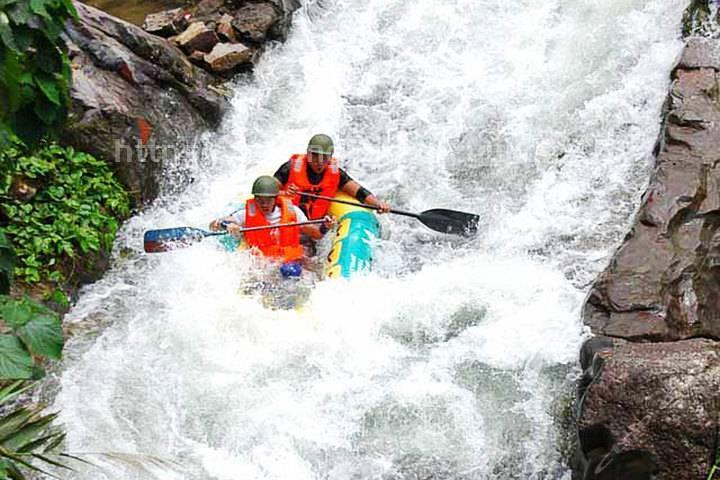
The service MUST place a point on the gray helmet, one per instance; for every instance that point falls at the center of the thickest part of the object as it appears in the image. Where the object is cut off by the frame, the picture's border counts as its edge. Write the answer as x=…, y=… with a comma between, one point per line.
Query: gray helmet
x=265, y=186
x=321, y=143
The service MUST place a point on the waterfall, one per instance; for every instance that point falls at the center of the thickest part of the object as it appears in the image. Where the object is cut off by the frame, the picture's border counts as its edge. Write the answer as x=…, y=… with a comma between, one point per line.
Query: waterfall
x=455, y=358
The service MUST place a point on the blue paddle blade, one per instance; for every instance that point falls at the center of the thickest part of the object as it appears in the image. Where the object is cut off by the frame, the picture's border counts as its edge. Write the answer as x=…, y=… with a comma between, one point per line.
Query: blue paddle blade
x=167, y=239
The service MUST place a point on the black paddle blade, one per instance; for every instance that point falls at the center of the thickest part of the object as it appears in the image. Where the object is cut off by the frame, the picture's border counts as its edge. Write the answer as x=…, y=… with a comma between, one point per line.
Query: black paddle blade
x=450, y=221
x=166, y=239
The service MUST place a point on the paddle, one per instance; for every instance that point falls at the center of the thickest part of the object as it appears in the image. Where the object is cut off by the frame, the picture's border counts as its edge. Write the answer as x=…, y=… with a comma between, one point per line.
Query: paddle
x=438, y=219
x=167, y=239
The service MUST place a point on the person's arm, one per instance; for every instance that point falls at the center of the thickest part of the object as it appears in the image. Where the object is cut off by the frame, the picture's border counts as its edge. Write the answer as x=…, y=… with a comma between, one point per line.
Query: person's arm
x=234, y=222
x=363, y=195
x=316, y=232
x=282, y=175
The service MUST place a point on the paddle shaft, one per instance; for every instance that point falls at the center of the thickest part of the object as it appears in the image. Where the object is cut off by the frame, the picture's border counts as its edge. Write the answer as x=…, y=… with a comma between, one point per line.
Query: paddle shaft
x=265, y=227
x=358, y=204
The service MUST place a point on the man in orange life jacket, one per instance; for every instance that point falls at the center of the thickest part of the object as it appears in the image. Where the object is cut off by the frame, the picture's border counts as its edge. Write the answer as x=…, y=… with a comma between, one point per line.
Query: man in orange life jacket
x=269, y=208
x=317, y=172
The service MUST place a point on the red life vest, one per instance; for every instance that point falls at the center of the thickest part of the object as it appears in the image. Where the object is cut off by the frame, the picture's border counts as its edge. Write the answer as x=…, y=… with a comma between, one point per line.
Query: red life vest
x=328, y=186
x=278, y=243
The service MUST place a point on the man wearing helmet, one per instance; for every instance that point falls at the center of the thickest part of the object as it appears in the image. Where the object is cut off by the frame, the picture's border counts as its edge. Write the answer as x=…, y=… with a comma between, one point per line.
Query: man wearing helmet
x=269, y=208
x=317, y=172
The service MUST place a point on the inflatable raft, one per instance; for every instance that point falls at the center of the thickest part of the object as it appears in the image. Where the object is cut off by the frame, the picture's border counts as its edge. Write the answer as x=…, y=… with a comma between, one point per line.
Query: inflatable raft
x=352, y=245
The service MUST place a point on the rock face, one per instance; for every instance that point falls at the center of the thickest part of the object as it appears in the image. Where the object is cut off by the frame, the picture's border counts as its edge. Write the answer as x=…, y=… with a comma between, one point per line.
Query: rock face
x=136, y=99
x=653, y=408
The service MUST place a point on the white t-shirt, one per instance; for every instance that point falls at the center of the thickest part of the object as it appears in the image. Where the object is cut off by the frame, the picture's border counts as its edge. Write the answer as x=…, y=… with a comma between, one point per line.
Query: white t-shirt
x=273, y=218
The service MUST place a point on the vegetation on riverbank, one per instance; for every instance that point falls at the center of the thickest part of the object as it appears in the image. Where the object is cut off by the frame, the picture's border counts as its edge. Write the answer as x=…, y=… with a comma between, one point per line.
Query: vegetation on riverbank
x=60, y=208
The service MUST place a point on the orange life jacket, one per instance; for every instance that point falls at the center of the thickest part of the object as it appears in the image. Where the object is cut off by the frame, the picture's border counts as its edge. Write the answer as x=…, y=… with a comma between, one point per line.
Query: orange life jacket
x=328, y=186
x=278, y=243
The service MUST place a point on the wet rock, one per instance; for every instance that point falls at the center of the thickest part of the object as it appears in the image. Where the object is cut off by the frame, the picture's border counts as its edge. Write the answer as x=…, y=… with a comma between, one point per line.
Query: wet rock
x=228, y=56
x=662, y=284
x=253, y=21
x=700, y=52
x=280, y=30
x=136, y=99
x=166, y=23
x=197, y=38
x=650, y=411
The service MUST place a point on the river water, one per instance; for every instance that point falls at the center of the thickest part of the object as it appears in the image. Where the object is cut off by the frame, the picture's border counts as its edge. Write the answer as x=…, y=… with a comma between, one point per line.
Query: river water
x=455, y=358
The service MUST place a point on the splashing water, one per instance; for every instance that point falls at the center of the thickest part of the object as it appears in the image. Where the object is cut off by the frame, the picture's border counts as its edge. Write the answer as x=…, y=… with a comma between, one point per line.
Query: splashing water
x=454, y=358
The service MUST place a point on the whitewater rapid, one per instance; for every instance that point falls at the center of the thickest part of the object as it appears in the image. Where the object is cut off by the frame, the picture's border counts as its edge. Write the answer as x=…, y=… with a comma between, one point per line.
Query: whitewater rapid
x=455, y=358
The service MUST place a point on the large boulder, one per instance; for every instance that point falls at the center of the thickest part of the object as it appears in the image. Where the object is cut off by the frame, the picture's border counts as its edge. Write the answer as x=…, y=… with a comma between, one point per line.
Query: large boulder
x=650, y=410
x=650, y=396
x=254, y=21
x=136, y=99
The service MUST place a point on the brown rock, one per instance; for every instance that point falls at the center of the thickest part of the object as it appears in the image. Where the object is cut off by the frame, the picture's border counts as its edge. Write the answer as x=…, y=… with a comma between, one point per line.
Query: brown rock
x=700, y=52
x=254, y=20
x=225, y=29
x=166, y=23
x=227, y=56
x=650, y=411
x=197, y=37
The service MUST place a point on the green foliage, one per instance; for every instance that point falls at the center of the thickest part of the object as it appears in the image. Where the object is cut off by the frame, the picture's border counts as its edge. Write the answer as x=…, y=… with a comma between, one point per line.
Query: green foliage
x=34, y=67
x=33, y=332
x=8, y=261
x=26, y=436
x=72, y=215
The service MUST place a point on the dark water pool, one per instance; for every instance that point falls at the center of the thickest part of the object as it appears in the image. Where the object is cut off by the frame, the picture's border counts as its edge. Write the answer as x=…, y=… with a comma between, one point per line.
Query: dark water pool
x=134, y=10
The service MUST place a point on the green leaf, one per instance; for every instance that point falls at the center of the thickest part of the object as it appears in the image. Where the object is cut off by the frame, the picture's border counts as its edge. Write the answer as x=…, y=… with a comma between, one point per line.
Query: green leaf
x=15, y=313
x=15, y=360
x=14, y=472
x=12, y=390
x=19, y=459
x=44, y=336
x=20, y=13
x=44, y=443
x=6, y=34
x=24, y=435
x=9, y=424
x=48, y=87
x=38, y=8
x=52, y=447
x=49, y=460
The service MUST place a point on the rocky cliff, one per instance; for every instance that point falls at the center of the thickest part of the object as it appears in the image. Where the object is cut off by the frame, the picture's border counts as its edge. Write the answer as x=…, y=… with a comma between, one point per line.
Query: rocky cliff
x=649, y=400
x=138, y=98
